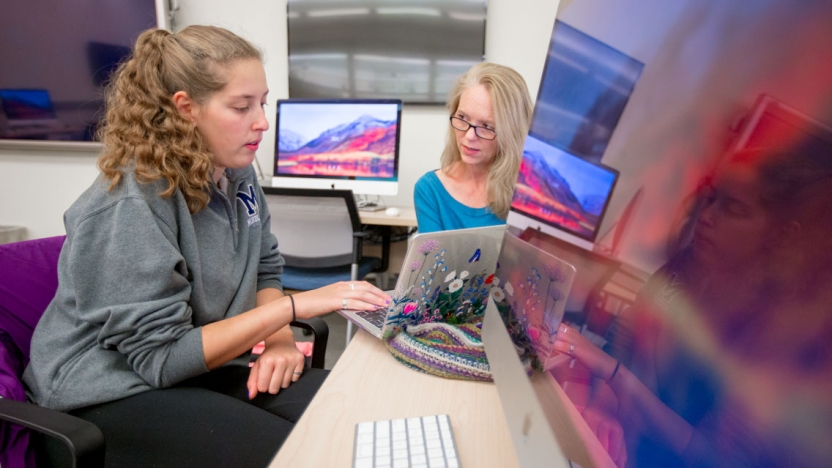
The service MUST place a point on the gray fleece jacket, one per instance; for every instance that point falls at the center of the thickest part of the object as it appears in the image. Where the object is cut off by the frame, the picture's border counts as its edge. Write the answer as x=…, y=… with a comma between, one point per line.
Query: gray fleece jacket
x=139, y=275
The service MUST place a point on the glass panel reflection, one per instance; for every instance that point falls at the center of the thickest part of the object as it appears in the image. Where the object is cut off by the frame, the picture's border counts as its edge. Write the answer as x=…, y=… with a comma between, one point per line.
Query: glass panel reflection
x=723, y=358
x=410, y=50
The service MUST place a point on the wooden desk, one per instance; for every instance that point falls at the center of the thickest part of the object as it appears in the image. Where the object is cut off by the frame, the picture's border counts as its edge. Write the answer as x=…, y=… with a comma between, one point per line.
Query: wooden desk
x=368, y=384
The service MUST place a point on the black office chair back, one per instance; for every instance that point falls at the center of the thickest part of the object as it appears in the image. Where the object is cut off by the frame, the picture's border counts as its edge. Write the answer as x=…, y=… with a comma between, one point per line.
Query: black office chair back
x=315, y=228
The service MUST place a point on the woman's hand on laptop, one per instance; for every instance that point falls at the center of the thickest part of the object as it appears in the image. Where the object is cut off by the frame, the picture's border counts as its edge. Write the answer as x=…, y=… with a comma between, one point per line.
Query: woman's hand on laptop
x=353, y=295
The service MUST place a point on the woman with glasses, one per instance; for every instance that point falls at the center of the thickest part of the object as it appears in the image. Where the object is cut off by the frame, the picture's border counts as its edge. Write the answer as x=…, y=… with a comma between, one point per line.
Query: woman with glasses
x=490, y=115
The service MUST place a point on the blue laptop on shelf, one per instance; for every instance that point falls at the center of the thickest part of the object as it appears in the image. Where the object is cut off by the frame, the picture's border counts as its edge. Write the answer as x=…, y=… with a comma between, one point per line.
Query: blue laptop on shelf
x=24, y=108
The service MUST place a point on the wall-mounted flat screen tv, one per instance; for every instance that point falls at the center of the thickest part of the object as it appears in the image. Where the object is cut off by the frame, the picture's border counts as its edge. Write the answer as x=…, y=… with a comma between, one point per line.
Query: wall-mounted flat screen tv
x=411, y=50
x=55, y=56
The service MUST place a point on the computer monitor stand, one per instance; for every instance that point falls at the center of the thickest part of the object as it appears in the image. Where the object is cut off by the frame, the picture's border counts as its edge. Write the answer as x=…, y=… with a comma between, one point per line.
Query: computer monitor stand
x=371, y=206
x=369, y=202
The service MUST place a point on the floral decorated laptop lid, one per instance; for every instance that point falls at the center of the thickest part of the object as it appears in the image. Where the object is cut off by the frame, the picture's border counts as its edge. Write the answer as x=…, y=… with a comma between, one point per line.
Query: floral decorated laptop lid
x=530, y=289
x=446, y=277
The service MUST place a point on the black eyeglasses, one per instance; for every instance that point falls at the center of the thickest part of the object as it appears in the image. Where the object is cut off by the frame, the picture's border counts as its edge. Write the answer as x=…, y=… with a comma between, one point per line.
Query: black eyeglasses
x=482, y=132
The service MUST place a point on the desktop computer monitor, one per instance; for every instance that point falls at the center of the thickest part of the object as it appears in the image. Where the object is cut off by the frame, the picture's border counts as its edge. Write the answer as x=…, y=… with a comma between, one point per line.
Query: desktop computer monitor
x=561, y=194
x=348, y=144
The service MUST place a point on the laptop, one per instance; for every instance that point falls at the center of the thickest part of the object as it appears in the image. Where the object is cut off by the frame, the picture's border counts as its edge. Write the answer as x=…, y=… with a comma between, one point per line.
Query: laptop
x=444, y=274
x=27, y=108
x=546, y=429
x=534, y=288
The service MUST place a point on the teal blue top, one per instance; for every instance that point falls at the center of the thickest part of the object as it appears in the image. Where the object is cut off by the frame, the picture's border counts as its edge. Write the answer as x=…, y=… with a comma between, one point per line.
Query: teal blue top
x=437, y=210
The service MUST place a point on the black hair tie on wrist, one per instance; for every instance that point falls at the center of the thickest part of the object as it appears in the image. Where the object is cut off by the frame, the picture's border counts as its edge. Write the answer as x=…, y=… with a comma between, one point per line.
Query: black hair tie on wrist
x=615, y=371
x=293, y=310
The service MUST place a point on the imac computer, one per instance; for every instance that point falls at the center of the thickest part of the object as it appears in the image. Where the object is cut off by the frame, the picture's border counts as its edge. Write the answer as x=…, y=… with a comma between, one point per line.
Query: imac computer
x=348, y=144
x=561, y=194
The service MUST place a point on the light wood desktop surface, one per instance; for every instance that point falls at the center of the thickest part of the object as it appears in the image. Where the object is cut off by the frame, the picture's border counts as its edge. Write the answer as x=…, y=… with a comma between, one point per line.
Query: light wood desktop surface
x=406, y=217
x=368, y=384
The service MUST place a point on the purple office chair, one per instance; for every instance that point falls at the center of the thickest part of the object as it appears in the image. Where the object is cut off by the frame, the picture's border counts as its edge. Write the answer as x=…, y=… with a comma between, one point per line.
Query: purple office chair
x=28, y=281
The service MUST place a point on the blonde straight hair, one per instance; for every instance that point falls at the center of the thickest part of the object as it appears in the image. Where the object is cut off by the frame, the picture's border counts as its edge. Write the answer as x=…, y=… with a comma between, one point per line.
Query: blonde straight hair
x=512, y=116
x=142, y=130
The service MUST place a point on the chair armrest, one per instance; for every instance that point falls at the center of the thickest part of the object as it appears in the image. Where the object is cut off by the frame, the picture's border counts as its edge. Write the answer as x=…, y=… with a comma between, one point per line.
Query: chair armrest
x=320, y=329
x=83, y=438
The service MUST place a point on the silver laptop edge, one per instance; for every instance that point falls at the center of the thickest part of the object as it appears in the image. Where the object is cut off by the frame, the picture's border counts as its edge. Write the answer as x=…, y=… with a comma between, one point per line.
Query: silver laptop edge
x=534, y=441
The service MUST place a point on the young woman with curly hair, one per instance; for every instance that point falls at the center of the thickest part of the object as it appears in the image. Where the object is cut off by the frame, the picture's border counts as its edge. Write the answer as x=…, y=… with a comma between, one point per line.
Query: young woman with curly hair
x=170, y=274
x=490, y=115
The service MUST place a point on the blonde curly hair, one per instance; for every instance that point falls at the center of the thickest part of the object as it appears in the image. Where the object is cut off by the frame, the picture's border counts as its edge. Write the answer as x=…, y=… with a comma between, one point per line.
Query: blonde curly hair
x=142, y=129
x=512, y=116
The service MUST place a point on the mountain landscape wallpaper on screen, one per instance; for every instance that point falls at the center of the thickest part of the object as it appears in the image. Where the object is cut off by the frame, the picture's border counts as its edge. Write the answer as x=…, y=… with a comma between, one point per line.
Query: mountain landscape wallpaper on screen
x=542, y=192
x=364, y=147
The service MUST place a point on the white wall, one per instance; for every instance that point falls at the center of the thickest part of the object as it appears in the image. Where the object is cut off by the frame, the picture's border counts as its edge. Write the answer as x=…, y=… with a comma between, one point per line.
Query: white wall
x=39, y=185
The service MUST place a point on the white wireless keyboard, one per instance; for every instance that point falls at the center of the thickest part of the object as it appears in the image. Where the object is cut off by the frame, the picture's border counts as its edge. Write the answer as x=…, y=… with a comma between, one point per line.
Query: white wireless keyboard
x=425, y=442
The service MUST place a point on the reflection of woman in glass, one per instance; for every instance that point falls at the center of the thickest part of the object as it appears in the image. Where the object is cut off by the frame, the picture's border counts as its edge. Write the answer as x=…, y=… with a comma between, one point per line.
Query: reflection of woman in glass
x=726, y=359
x=490, y=114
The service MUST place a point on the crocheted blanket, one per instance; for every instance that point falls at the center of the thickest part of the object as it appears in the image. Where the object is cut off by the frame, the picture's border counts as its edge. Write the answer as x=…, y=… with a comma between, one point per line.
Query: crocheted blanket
x=450, y=351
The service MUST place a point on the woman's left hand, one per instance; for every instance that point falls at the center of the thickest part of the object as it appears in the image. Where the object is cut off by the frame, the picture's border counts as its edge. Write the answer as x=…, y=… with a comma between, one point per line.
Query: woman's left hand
x=280, y=364
x=570, y=341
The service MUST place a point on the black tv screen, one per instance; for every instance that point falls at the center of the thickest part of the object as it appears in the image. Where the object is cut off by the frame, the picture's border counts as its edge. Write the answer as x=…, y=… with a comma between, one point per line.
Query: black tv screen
x=411, y=50
x=55, y=55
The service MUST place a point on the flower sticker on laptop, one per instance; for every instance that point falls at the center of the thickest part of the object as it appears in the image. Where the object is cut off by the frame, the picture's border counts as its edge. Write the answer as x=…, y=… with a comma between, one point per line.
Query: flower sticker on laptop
x=433, y=292
x=532, y=299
